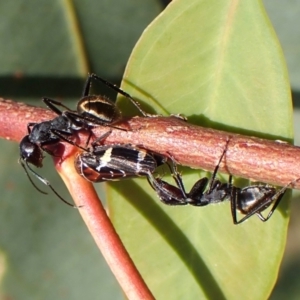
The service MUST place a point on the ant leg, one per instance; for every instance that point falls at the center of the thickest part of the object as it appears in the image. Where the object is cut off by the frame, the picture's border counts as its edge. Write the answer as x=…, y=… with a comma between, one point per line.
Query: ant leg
x=61, y=136
x=213, y=177
x=75, y=117
x=235, y=192
x=233, y=203
x=117, y=89
x=167, y=193
x=177, y=176
x=87, y=86
x=276, y=199
x=256, y=211
x=30, y=125
x=194, y=197
x=51, y=104
x=88, y=140
x=233, y=200
x=101, y=138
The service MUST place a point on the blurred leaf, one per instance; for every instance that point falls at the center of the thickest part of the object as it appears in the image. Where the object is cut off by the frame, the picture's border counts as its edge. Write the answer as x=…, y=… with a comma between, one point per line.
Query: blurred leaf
x=53, y=48
x=110, y=29
x=46, y=252
x=222, y=66
x=285, y=18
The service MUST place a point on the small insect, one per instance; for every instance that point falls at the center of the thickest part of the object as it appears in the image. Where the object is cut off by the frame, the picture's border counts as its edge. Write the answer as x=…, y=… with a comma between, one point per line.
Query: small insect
x=115, y=162
x=91, y=111
x=250, y=200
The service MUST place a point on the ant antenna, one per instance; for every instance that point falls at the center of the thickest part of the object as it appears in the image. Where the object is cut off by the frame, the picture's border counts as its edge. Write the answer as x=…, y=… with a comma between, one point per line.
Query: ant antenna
x=22, y=164
x=44, y=181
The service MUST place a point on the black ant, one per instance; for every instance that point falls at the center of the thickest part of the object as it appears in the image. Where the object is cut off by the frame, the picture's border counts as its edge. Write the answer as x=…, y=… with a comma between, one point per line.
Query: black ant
x=250, y=200
x=91, y=111
x=172, y=195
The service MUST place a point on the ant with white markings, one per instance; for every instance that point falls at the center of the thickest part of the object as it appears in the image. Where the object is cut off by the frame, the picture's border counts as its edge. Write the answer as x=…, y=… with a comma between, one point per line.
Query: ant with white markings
x=92, y=111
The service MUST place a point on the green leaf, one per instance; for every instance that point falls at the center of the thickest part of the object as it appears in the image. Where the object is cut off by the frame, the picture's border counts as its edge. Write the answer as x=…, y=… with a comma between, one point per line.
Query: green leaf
x=46, y=251
x=221, y=65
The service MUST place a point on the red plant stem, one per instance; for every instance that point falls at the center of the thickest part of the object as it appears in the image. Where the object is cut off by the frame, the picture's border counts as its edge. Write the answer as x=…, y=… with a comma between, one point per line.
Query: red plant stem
x=249, y=157
x=103, y=232
x=258, y=159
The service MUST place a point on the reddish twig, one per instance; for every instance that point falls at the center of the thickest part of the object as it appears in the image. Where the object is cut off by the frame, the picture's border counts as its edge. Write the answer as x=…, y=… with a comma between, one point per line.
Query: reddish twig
x=103, y=232
x=249, y=157
x=258, y=159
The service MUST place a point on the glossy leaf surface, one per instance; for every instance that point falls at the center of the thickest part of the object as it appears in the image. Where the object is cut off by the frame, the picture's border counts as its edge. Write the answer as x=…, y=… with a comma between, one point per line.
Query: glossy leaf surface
x=220, y=65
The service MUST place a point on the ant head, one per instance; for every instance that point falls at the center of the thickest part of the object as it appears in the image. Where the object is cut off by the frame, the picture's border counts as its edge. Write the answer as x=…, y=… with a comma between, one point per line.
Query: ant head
x=30, y=152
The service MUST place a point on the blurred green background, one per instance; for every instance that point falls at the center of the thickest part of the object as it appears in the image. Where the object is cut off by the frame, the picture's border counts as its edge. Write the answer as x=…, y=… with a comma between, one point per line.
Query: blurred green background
x=39, y=57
